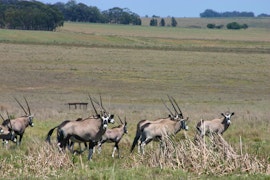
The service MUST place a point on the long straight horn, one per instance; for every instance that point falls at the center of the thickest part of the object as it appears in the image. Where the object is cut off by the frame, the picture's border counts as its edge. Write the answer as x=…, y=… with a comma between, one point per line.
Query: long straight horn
x=21, y=106
x=167, y=107
x=2, y=117
x=28, y=107
x=120, y=120
x=101, y=104
x=177, y=106
x=93, y=104
x=170, y=98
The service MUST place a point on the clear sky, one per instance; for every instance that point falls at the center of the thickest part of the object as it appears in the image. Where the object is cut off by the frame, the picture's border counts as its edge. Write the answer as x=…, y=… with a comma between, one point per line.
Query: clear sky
x=177, y=8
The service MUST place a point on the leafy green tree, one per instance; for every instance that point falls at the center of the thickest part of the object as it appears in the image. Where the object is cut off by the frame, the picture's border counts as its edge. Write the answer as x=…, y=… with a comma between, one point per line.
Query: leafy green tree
x=162, y=22
x=153, y=22
x=174, y=22
x=117, y=15
x=30, y=15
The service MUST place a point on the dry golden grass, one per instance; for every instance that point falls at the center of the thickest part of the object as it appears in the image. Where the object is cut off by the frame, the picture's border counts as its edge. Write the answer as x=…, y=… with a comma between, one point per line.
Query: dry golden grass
x=132, y=82
x=212, y=157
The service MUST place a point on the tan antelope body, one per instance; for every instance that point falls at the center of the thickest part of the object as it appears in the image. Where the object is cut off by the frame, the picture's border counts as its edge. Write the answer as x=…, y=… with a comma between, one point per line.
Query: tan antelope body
x=173, y=117
x=218, y=126
x=139, y=131
x=20, y=124
x=161, y=130
x=87, y=130
x=84, y=130
x=114, y=135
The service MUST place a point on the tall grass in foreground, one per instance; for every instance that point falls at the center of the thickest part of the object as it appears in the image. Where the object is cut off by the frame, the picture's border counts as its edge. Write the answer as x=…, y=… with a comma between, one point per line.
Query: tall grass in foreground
x=212, y=157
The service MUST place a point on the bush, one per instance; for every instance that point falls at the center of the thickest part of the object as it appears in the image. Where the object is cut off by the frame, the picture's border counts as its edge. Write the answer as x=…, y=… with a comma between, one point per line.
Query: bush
x=235, y=25
x=211, y=26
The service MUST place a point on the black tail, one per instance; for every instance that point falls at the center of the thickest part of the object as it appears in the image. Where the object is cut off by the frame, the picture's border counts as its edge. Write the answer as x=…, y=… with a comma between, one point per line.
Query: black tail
x=48, y=138
x=198, y=126
x=137, y=136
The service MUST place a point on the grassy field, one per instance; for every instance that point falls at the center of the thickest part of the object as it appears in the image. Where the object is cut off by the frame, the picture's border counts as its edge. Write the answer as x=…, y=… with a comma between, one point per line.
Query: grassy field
x=207, y=71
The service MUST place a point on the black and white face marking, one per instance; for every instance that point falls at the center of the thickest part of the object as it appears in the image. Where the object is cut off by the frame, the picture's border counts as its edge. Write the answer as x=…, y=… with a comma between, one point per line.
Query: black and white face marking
x=105, y=121
x=111, y=118
x=125, y=128
x=227, y=117
x=184, y=124
x=1, y=130
x=30, y=119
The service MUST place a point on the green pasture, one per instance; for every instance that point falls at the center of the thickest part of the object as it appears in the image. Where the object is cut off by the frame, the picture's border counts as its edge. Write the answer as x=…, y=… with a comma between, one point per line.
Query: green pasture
x=133, y=68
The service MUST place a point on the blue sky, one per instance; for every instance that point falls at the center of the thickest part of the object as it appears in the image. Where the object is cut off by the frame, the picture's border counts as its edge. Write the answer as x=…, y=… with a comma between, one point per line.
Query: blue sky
x=177, y=8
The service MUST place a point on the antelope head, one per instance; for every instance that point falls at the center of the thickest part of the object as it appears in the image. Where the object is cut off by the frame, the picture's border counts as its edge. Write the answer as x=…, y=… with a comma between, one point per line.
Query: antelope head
x=28, y=114
x=227, y=117
x=106, y=117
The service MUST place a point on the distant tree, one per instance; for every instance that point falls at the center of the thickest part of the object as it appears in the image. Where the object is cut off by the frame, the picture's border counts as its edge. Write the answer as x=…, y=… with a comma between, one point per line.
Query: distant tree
x=263, y=15
x=174, y=22
x=208, y=13
x=153, y=22
x=162, y=22
x=121, y=16
x=30, y=15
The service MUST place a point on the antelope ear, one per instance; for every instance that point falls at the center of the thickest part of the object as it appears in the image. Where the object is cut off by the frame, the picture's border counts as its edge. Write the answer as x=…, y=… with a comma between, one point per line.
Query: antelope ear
x=111, y=116
x=232, y=114
x=98, y=116
x=222, y=115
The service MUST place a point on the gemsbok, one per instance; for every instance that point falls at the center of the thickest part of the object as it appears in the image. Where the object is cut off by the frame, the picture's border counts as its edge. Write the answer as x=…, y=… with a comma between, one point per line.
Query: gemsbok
x=159, y=131
x=20, y=124
x=176, y=116
x=89, y=130
x=218, y=125
x=7, y=134
x=114, y=135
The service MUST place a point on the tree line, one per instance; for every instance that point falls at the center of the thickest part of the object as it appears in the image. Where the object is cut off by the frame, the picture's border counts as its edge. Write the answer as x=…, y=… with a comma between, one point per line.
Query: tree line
x=34, y=15
x=83, y=13
x=209, y=13
x=29, y=15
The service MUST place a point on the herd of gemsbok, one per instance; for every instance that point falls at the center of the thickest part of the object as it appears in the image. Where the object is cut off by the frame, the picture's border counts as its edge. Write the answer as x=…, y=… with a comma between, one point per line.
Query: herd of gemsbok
x=93, y=130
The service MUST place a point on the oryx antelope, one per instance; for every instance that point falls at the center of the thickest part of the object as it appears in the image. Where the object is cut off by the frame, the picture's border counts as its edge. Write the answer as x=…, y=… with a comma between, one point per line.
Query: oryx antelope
x=7, y=134
x=20, y=124
x=161, y=130
x=114, y=135
x=89, y=130
x=176, y=116
x=218, y=125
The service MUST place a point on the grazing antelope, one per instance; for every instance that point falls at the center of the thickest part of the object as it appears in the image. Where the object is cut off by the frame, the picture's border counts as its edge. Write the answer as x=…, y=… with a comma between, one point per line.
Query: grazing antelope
x=114, y=135
x=172, y=116
x=20, y=124
x=89, y=130
x=219, y=125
